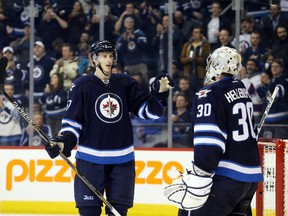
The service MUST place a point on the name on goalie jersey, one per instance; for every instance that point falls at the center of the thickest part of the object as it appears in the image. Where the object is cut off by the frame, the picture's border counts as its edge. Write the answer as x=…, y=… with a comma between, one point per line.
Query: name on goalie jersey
x=236, y=94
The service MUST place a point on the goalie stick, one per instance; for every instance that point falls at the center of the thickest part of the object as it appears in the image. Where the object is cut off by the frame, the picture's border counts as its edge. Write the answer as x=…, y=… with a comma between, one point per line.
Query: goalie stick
x=266, y=111
x=3, y=64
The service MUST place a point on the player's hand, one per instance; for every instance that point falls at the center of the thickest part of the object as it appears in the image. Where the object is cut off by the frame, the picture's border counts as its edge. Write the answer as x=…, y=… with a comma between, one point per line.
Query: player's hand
x=56, y=146
x=191, y=190
x=161, y=85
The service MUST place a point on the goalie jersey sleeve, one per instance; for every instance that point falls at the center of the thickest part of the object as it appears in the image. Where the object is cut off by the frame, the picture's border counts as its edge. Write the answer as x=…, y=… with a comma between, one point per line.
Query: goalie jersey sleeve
x=224, y=138
x=98, y=117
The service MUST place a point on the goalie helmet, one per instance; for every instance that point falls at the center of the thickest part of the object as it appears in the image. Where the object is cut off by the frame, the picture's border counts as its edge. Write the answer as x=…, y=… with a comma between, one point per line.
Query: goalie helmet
x=222, y=60
x=103, y=46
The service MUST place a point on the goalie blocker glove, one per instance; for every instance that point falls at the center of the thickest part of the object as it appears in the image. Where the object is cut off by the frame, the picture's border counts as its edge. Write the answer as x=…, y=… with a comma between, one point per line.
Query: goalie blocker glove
x=161, y=85
x=191, y=190
x=64, y=143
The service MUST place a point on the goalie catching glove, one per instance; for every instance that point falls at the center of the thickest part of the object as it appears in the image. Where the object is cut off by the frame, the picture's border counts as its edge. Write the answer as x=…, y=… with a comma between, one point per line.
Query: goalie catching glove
x=191, y=190
x=161, y=85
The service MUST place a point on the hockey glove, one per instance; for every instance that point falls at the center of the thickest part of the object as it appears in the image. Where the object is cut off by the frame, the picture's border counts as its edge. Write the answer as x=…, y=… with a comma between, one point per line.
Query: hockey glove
x=161, y=85
x=191, y=190
x=56, y=146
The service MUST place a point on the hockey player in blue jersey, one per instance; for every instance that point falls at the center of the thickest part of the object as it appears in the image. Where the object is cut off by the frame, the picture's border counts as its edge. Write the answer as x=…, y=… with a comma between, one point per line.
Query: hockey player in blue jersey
x=98, y=120
x=222, y=178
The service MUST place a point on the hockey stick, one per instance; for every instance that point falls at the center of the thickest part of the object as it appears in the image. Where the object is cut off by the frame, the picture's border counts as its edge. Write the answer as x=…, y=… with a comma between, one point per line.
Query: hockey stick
x=3, y=64
x=270, y=102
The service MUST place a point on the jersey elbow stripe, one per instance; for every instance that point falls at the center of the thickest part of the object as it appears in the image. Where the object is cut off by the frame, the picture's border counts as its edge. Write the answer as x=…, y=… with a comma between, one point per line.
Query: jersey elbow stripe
x=73, y=131
x=209, y=128
x=72, y=123
x=240, y=172
x=210, y=141
x=141, y=111
x=239, y=167
x=149, y=114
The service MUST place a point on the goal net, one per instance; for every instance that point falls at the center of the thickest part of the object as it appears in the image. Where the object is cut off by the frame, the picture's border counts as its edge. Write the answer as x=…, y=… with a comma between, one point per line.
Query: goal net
x=271, y=194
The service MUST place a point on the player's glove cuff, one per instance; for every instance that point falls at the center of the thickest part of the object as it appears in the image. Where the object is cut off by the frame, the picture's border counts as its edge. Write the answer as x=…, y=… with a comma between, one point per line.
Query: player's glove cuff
x=55, y=147
x=58, y=144
x=194, y=169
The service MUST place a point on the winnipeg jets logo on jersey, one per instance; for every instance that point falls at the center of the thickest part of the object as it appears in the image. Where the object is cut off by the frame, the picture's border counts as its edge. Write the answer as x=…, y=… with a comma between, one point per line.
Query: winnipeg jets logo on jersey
x=109, y=108
x=203, y=93
x=38, y=72
x=36, y=141
x=5, y=116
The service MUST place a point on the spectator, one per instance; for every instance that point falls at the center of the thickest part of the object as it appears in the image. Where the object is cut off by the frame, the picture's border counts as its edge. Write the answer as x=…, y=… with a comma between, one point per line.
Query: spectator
x=83, y=58
x=51, y=27
x=76, y=24
x=256, y=51
x=16, y=73
x=150, y=16
x=57, y=48
x=36, y=139
x=214, y=23
x=270, y=22
x=268, y=59
x=195, y=9
x=10, y=125
x=185, y=25
x=55, y=99
x=138, y=76
x=247, y=24
x=224, y=39
x=193, y=57
x=177, y=73
x=94, y=23
x=131, y=46
x=43, y=64
x=160, y=44
x=85, y=38
x=118, y=68
x=181, y=119
x=21, y=45
x=130, y=11
x=252, y=81
x=186, y=89
x=67, y=66
x=278, y=113
x=279, y=48
x=3, y=20
x=19, y=16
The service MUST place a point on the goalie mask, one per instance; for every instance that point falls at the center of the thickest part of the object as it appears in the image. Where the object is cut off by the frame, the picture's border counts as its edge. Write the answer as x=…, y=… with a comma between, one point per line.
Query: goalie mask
x=222, y=60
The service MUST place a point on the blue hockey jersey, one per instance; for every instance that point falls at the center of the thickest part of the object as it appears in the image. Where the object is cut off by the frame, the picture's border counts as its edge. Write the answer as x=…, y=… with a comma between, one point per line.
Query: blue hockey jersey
x=224, y=138
x=98, y=115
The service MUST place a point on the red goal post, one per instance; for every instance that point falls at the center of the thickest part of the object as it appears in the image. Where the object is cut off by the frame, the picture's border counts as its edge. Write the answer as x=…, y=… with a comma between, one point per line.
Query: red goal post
x=271, y=194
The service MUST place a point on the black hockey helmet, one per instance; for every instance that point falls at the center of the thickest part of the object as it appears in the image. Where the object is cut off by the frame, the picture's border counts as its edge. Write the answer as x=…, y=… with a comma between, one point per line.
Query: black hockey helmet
x=103, y=46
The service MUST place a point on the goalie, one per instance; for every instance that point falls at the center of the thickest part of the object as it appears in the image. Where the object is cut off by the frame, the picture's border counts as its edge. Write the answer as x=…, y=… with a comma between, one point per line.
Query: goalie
x=223, y=177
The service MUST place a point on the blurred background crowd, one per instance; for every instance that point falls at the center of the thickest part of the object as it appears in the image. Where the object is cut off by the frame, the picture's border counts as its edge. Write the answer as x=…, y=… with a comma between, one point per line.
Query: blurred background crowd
x=65, y=29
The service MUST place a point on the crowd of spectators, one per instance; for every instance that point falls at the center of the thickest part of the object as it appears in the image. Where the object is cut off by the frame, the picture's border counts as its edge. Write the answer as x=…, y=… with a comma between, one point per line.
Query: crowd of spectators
x=64, y=31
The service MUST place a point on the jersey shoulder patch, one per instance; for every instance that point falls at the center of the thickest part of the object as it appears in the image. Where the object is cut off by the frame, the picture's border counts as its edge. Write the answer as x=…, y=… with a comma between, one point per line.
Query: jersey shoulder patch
x=203, y=93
